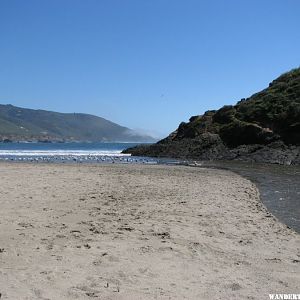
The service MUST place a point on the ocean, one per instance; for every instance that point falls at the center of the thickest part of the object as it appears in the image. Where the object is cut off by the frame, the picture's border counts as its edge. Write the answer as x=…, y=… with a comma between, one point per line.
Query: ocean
x=62, y=152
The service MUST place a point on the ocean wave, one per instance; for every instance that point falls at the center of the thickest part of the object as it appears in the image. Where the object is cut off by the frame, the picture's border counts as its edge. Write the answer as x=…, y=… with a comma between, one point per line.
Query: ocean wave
x=49, y=153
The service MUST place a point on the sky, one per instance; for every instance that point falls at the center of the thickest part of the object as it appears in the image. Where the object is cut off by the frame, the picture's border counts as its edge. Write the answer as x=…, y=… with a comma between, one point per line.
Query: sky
x=144, y=64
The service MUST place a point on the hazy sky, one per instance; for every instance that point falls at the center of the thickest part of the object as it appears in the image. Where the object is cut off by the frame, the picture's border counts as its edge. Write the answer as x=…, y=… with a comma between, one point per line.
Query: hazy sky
x=143, y=63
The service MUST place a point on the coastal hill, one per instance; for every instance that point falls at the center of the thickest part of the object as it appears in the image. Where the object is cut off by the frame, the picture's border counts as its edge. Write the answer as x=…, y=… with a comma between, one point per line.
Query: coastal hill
x=21, y=124
x=262, y=128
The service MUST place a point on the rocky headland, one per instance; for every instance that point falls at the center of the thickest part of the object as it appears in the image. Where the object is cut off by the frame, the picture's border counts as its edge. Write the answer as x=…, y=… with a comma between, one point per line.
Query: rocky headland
x=262, y=128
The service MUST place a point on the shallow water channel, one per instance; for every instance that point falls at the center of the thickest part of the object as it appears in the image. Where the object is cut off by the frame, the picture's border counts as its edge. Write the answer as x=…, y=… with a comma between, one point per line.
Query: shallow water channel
x=279, y=187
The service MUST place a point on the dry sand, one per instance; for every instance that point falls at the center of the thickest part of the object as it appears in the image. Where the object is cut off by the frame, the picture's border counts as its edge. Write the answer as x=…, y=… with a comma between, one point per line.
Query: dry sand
x=139, y=232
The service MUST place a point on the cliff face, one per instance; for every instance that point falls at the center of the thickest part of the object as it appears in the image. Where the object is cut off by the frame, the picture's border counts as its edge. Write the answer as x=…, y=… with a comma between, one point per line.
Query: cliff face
x=262, y=128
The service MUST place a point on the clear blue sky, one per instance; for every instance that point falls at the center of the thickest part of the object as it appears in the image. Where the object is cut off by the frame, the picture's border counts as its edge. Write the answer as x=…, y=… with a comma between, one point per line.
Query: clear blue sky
x=143, y=63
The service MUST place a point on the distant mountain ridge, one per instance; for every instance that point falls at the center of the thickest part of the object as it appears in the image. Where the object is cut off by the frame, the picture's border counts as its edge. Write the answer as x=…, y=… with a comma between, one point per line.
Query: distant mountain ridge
x=23, y=124
x=262, y=128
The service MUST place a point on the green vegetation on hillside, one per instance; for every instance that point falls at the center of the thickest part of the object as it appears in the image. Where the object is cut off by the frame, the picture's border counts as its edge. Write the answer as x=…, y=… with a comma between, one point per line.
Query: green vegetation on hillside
x=263, y=127
x=27, y=124
x=269, y=115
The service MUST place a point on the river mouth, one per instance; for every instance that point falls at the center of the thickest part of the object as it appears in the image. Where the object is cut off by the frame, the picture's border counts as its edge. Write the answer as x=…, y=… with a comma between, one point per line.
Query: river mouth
x=279, y=187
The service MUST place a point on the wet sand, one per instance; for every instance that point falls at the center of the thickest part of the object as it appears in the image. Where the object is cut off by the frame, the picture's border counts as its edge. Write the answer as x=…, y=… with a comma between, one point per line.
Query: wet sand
x=139, y=232
x=279, y=187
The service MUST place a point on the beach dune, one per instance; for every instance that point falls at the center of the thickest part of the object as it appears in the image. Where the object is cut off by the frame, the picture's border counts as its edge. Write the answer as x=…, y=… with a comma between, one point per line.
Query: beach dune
x=139, y=232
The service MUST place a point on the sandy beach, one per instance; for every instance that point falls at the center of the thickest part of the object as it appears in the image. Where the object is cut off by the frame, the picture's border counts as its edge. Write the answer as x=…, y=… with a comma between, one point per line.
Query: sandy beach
x=139, y=232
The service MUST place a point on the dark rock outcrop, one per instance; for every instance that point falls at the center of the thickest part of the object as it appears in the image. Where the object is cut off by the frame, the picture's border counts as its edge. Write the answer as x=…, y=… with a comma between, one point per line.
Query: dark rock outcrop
x=262, y=128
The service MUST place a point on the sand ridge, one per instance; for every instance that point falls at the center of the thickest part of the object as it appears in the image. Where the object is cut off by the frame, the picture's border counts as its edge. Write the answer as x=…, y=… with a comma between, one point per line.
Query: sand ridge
x=139, y=232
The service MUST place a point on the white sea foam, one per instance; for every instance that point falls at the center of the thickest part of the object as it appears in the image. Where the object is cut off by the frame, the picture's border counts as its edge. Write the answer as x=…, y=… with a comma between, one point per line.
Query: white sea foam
x=62, y=153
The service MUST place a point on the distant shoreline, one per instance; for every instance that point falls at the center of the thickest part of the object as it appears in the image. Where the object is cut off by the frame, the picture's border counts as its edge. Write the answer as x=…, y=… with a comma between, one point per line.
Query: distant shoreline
x=7, y=141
